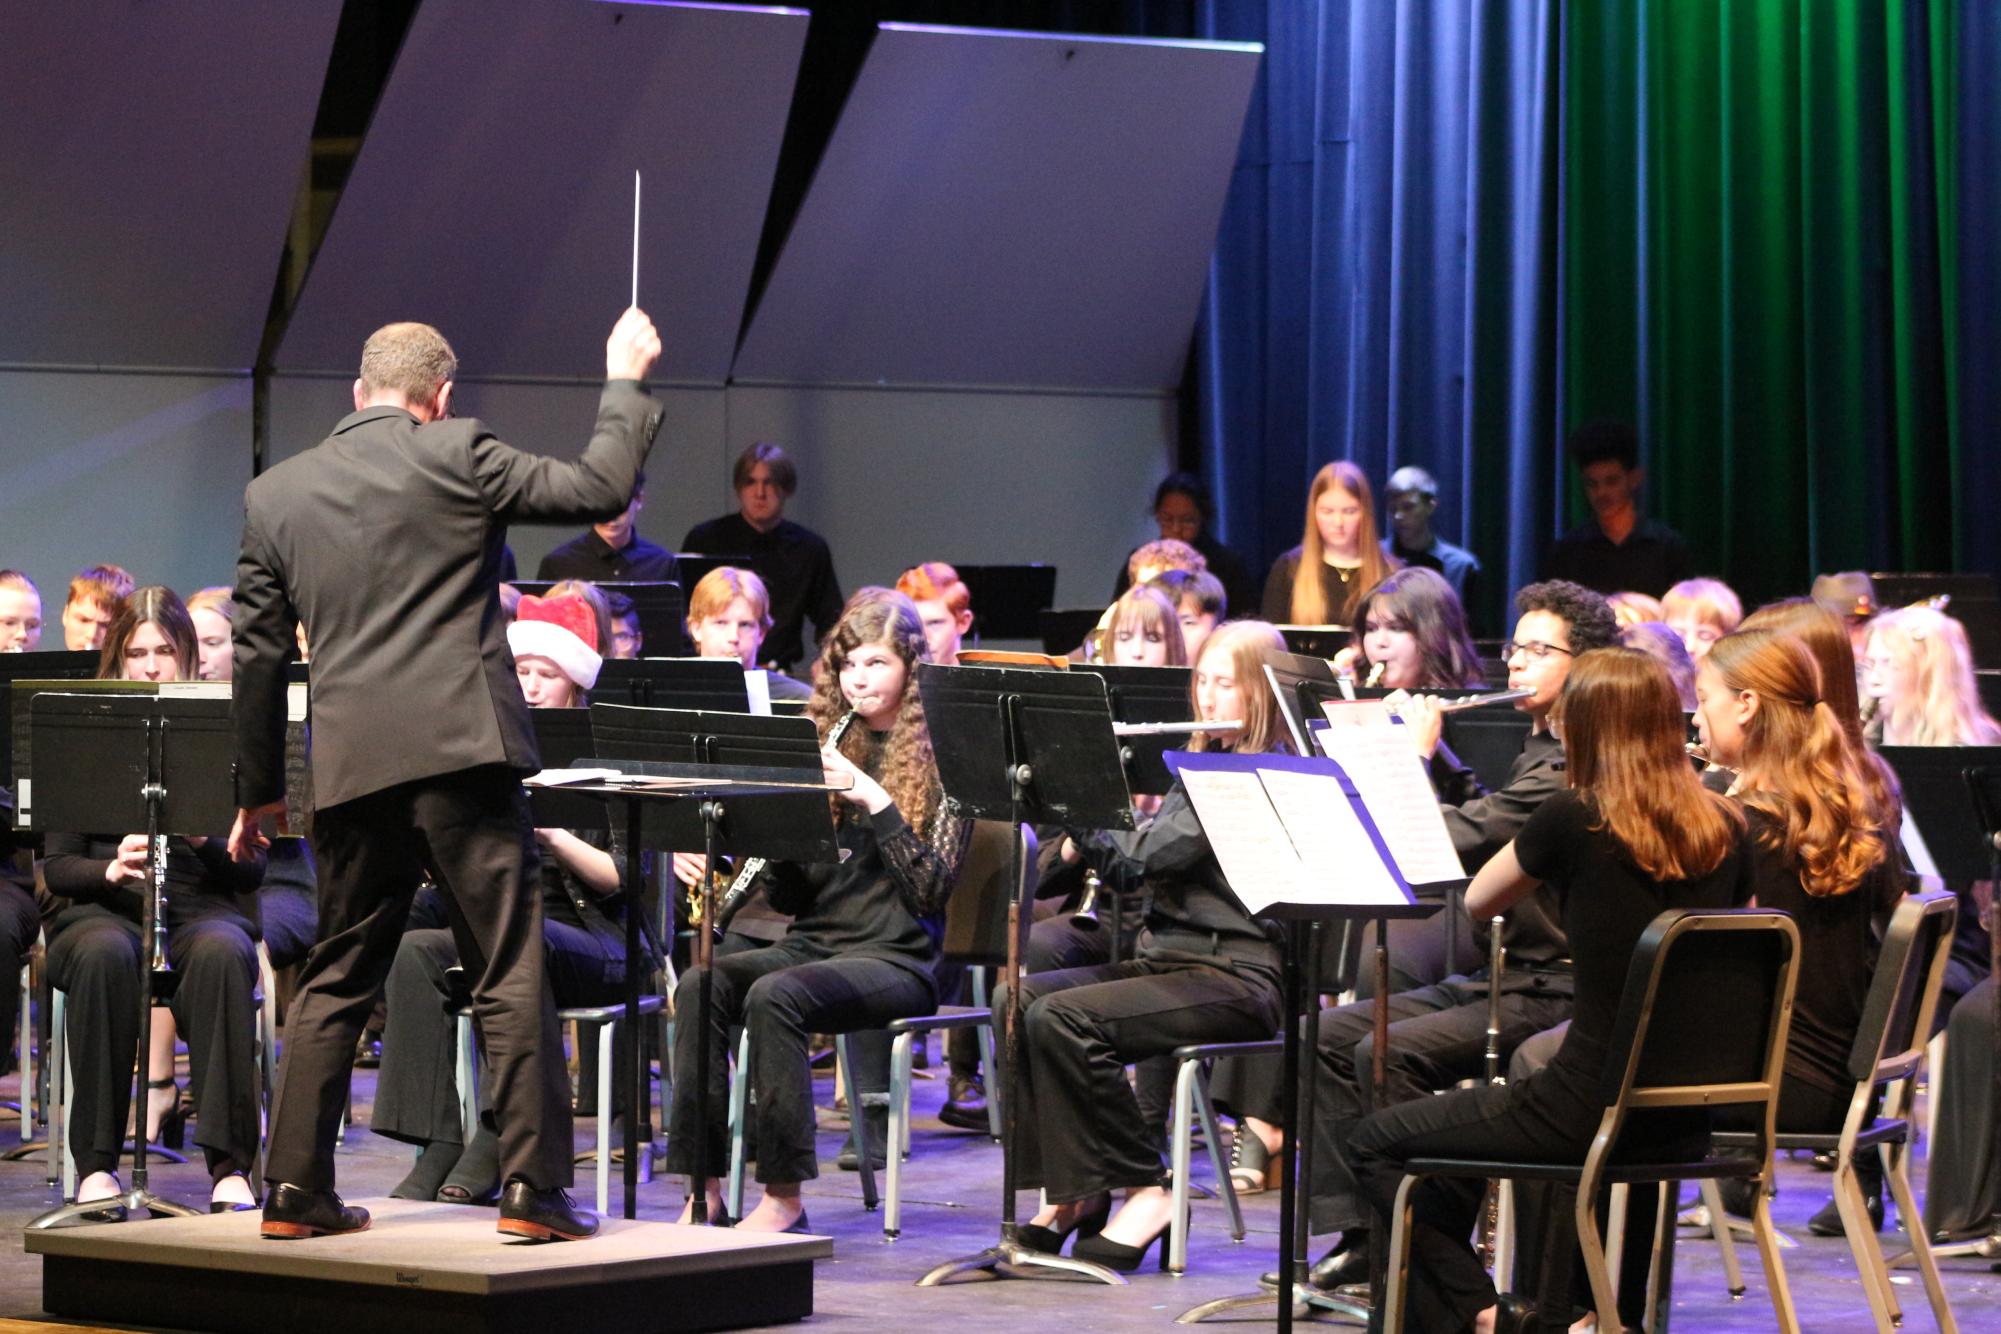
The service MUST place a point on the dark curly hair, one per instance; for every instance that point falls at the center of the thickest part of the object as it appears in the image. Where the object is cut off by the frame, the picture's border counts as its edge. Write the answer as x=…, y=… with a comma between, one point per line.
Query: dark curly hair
x=1588, y=615
x=902, y=760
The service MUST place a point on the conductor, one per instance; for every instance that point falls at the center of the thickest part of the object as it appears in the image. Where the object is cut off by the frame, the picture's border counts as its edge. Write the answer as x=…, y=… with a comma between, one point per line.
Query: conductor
x=385, y=541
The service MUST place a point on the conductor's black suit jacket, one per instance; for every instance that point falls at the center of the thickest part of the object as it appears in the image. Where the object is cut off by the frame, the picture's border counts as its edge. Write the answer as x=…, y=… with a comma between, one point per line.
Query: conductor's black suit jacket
x=385, y=540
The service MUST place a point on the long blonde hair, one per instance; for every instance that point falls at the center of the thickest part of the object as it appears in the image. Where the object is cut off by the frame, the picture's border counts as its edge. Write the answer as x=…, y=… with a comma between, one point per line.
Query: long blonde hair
x=1309, y=600
x=1250, y=645
x=1943, y=708
x=1623, y=730
x=902, y=760
x=1801, y=768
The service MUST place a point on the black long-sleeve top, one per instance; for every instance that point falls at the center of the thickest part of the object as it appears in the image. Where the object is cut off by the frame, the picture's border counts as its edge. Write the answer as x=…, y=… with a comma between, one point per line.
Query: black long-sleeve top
x=886, y=898
x=1188, y=905
x=1481, y=822
x=201, y=881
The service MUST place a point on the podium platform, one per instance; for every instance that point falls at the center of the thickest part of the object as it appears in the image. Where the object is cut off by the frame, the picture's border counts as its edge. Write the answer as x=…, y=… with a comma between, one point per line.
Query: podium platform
x=422, y=1267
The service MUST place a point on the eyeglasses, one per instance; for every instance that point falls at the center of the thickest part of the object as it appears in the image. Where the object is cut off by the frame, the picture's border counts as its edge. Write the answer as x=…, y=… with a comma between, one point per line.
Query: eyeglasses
x=1534, y=650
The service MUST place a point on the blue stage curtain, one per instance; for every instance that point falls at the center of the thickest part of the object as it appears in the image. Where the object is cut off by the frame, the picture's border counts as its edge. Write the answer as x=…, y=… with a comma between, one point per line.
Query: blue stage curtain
x=1385, y=282
x=1763, y=233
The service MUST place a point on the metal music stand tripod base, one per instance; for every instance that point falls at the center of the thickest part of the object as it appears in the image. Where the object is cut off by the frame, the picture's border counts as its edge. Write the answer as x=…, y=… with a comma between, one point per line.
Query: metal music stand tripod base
x=112, y=739
x=1302, y=986
x=1021, y=746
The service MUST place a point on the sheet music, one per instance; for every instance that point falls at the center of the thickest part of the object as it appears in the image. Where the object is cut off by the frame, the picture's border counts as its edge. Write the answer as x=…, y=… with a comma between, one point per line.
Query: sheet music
x=1250, y=843
x=758, y=687
x=564, y=777
x=1355, y=712
x=1338, y=861
x=1390, y=776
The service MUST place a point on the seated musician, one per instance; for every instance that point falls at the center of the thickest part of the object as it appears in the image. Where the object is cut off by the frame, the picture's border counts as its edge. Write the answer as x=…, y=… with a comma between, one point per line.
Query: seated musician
x=96, y=597
x=1142, y=629
x=613, y=551
x=583, y=933
x=1633, y=832
x=97, y=957
x=1411, y=635
x=729, y=615
x=626, y=640
x=946, y=605
x=1438, y=1033
x=20, y=613
x=1204, y=972
x=1701, y=611
x=791, y=559
x=1339, y=558
x=864, y=938
x=1200, y=601
x=1184, y=512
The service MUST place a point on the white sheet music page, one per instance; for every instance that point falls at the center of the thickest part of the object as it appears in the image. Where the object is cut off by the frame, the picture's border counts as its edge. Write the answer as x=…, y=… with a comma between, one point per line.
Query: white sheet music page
x=1390, y=776
x=1339, y=862
x=1250, y=844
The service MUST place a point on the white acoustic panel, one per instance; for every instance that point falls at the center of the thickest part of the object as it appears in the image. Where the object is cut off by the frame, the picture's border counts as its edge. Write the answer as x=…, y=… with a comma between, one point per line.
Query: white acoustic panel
x=1003, y=208
x=493, y=193
x=150, y=156
x=143, y=471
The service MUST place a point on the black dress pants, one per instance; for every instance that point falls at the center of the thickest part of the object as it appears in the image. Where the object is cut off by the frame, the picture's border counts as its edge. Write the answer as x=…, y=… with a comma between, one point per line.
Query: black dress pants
x=417, y=1093
x=1055, y=943
x=1255, y=1085
x=1963, y=1188
x=1448, y=1285
x=783, y=994
x=19, y=924
x=1080, y=1130
x=471, y=830
x=1438, y=1036
x=95, y=958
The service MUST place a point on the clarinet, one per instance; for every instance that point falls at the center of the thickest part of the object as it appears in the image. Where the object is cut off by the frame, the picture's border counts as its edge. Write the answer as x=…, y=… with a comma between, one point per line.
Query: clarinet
x=1490, y=1211
x=739, y=891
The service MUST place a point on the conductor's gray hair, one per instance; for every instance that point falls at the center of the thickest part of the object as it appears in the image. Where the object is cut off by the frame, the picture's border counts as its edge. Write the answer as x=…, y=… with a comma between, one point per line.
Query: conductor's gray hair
x=411, y=359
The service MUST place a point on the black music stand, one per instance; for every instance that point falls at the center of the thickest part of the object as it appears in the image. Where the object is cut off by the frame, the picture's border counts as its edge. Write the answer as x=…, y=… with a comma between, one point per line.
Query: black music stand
x=744, y=783
x=1008, y=600
x=673, y=683
x=24, y=675
x=1024, y=747
x=1065, y=629
x=1146, y=695
x=120, y=761
x=1317, y=641
x=1304, y=924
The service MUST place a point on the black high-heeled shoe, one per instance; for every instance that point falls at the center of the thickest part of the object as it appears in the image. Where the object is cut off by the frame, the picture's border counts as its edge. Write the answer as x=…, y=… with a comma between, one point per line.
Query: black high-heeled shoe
x=1118, y=1255
x=1050, y=1241
x=172, y=1132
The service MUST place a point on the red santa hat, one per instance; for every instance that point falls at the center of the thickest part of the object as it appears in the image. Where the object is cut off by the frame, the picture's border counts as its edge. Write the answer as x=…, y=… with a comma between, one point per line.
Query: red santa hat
x=562, y=629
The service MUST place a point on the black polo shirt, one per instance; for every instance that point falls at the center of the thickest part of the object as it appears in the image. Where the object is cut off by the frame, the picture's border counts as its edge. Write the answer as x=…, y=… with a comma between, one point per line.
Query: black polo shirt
x=588, y=557
x=797, y=570
x=1652, y=559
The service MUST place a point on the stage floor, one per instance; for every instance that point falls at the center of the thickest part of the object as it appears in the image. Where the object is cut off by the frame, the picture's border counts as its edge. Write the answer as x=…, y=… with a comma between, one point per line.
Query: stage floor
x=951, y=1207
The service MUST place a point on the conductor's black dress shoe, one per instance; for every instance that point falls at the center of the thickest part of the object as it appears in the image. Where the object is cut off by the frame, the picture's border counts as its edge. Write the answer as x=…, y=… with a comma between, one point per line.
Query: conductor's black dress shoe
x=544, y=1215
x=291, y=1212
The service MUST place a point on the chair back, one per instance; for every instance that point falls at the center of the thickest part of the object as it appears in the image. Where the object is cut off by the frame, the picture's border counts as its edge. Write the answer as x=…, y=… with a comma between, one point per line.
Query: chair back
x=1903, y=994
x=976, y=912
x=1703, y=1021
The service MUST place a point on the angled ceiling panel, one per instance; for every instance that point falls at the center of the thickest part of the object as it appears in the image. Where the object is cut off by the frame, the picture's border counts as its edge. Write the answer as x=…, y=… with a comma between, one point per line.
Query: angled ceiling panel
x=493, y=193
x=1000, y=208
x=150, y=155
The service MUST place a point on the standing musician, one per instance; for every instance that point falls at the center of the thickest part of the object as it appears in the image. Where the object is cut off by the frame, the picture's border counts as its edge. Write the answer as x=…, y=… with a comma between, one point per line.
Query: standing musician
x=865, y=931
x=1204, y=972
x=97, y=957
x=1321, y=581
x=386, y=540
